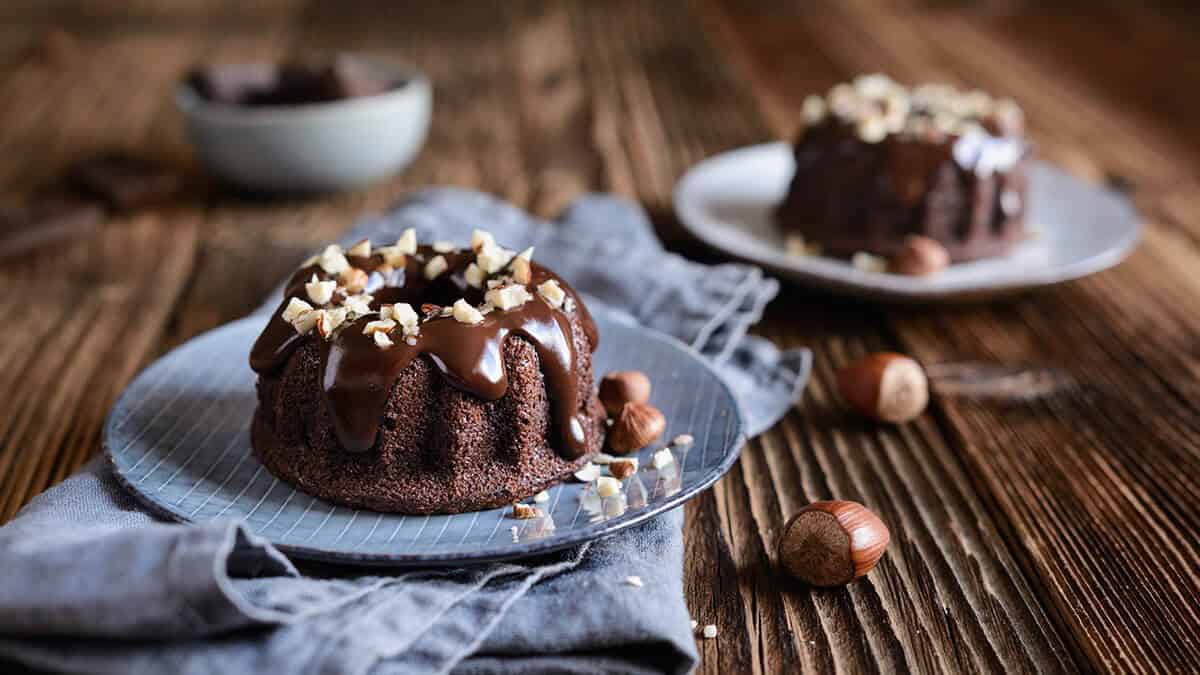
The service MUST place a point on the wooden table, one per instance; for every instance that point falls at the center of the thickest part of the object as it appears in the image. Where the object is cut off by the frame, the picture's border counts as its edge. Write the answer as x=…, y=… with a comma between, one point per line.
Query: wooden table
x=1058, y=532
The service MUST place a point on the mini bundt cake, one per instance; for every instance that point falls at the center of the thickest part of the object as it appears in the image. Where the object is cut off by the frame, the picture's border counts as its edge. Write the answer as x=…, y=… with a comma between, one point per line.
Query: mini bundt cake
x=877, y=162
x=426, y=379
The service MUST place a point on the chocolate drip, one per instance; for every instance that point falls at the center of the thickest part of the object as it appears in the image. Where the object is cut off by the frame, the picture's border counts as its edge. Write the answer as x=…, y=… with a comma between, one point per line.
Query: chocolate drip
x=357, y=375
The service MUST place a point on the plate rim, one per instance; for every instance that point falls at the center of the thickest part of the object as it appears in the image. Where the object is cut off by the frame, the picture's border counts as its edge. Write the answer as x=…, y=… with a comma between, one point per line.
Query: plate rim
x=588, y=533
x=696, y=222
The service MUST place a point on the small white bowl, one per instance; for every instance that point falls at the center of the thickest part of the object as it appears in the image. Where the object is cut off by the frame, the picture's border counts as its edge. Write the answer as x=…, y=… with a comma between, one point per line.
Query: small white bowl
x=317, y=146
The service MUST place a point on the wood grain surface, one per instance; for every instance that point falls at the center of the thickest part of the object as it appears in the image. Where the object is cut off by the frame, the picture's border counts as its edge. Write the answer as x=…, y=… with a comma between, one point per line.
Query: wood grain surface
x=1055, y=531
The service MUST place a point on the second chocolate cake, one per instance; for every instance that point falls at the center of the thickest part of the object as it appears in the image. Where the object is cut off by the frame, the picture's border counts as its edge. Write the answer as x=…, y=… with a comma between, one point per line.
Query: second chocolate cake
x=878, y=162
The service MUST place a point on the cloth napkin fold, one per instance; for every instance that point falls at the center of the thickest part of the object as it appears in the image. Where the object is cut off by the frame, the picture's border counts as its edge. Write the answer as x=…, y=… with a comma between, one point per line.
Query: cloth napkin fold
x=91, y=583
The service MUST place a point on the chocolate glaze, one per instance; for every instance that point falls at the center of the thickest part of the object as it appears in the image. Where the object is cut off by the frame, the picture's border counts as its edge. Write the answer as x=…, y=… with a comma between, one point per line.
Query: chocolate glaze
x=849, y=195
x=357, y=375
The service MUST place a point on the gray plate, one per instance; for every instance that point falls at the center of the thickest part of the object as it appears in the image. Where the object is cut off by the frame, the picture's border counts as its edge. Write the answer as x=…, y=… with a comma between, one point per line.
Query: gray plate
x=179, y=440
x=726, y=201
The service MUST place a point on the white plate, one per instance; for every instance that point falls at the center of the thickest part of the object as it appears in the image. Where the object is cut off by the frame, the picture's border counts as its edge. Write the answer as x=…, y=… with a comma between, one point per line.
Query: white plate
x=726, y=201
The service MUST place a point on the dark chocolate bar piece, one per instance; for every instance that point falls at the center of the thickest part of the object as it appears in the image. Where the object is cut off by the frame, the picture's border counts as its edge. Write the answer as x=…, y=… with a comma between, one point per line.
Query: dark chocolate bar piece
x=126, y=182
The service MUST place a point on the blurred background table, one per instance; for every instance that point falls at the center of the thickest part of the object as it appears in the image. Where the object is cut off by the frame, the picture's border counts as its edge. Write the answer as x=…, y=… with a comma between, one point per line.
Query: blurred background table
x=1051, y=533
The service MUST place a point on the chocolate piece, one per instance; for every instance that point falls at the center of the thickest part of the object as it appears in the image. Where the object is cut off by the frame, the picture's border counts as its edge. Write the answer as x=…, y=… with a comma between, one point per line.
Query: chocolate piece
x=454, y=417
x=126, y=182
x=45, y=222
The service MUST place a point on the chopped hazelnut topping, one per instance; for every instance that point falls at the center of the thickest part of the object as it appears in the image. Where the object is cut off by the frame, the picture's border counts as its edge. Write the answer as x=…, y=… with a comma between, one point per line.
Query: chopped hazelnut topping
x=663, y=458
x=443, y=246
x=813, y=109
x=320, y=292
x=381, y=325
x=392, y=256
x=353, y=280
x=508, y=297
x=465, y=313
x=435, y=267
x=526, y=255
x=474, y=276
x=496, y=283
x=337, y=317
x=493, y=258
x=481, y=239
x=607, y=486
x=305, y=322
x=542, y=497
x=407, y=243
x=382, y=340
x=332, y=260
x=403, y=314
x=695, y=624
x=362, y=249
x=634, y=580
x=324, y=324
x=552, y=292
x=521, y=271
x=357, y=305
x=872, y=129
x=294, y=309
x=524, y=511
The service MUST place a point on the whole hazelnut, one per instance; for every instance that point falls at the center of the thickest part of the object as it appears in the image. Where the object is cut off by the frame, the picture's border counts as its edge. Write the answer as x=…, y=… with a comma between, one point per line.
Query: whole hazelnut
x=832, y=543
x=920, y=256
x=885, y=386
x=621, y=387
x=636, y=426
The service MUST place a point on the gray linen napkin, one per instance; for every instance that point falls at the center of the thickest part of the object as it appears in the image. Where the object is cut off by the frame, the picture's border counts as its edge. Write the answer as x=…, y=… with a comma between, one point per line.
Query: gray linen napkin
x=92, y=583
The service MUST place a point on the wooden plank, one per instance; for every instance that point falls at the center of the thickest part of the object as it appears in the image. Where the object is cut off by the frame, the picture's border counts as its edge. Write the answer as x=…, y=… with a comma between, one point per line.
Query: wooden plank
x=1086, y=478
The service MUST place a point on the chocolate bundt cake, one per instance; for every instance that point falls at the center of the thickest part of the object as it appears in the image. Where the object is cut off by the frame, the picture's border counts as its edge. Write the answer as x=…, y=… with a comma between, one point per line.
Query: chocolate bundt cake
x=877, y=162
x=426, y=379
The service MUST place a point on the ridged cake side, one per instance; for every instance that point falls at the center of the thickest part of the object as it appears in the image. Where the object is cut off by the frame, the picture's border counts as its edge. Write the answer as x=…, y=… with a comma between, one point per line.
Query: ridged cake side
x=439, y=450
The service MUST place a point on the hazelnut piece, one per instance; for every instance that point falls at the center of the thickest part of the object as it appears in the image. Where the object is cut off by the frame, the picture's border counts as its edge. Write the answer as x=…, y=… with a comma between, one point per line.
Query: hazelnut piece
x=885, y=386
x=621, y=387
x=636, y=426
x=623, y=468
x=920, y=256
x=353, y=280
x=832, y=543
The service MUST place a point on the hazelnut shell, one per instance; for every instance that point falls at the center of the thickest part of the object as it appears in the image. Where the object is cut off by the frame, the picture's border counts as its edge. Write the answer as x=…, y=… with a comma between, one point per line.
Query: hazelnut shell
x=885, y=386
x=832, y=543
x=636, y=426
x=621, y=387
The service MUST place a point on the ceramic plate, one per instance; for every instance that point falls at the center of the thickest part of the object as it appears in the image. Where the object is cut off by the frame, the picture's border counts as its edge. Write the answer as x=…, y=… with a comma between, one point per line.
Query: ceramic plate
x=726, y=201
x=179, y=440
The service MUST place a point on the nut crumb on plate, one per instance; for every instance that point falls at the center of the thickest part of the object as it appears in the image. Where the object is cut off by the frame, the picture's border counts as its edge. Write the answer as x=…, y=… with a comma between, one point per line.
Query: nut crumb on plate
x=524, y=511
x=588, y=473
